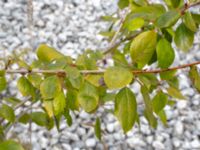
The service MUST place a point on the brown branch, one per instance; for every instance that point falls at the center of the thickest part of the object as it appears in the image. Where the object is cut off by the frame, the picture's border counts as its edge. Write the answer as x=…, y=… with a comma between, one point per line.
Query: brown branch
x=101, y=71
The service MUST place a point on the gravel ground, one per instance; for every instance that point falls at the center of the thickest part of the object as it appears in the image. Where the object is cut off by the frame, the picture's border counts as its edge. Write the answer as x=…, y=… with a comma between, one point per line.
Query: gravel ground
x=72, y=26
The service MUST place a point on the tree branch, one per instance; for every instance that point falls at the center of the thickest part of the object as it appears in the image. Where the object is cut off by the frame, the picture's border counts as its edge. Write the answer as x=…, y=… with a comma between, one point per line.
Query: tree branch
x=24, y=71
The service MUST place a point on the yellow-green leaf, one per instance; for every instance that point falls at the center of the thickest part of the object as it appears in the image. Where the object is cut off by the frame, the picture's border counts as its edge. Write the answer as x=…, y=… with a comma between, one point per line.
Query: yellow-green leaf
x=173, y=92
x=143, y=47
x=48, y=105
x=117, y=77
x=72, y=100
x=195, y=77
x=183, y=37
x=189, y=22
x=35, y=79
x=168, y=19
x=25, y=87
x=126, y=108
x=135, y=24
x=59, y=103
x=7, y=113
x=10, y=145
x=159, y=102
x=50, y=87
x=2, y=83
x=165, y=53
x=88, y=97
x=46, y=53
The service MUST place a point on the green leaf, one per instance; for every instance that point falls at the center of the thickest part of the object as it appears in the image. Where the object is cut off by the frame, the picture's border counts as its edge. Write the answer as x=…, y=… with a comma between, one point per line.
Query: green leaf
x=68, y=117
x=164, y=49
x=7, y=113
x=59, y=103
x=48, y=105
x=10, y=145
x=163, y=117
x=2, y=83
x=167, y=75
x=159, y=102
x=47, y=54
x=117, y=77
x=174, y=92
x=196, y=18
x=123, y=3
x=143, y=47
x=126, y=108
x=25, y=87
x=72, y=100
x=39, y=118
x=72, y=72
x=168, y=19
x=119, y=59
x=50, y=87
x=35, y=79
x=97, y=129
x=175, y=3
x=183, y=37
x=195, y=77
x=148, y=107
x=25, y=118
x=94, y=79
x=135, y=24
x=88, y=97
x=189, y=22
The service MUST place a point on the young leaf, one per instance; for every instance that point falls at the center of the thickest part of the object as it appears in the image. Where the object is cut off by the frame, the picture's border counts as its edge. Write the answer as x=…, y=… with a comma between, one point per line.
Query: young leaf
x=88, y=97
x=68, y=116
x=10, y=145
x=123, y=3
x=143, y=47
x=7, y=113
x=97, y=129
x=159, y=102
x=59, y=103
x=164, y=49
x=47, y=54
x=168, y=19
x=175, y=3
x=2, y=83
x=50, y=87
x=183, y=37
x=163, y=117
x=25, y=87
x=189, y=22
x=117, y=77
x=126, y=108
x=195, y=77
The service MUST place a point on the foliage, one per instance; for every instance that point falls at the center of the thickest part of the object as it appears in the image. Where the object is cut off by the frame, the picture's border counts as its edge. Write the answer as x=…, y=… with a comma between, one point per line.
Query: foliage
x=62, y=84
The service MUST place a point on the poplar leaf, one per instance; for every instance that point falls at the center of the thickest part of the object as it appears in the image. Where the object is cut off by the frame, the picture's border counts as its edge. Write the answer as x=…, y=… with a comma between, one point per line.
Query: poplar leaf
x=126, y=108
x=88, y=97
x=165, y=53
x=143, y=47
x=59, y=103
x=168, y=19
x=183, y=37
x=50, y=87
x=117, y=77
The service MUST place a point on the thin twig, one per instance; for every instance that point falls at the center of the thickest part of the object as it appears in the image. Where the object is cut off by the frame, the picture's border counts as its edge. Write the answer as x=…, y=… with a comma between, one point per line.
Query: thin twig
x=101, y=71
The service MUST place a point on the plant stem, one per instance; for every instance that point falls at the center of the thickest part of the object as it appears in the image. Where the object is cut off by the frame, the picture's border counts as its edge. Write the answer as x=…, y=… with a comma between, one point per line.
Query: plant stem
x=24, y=71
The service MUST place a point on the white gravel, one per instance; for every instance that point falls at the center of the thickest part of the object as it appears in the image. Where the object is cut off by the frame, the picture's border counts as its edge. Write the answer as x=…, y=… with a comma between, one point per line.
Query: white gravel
x=72, y=26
